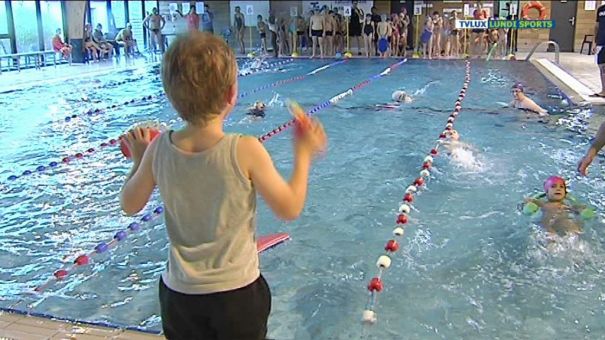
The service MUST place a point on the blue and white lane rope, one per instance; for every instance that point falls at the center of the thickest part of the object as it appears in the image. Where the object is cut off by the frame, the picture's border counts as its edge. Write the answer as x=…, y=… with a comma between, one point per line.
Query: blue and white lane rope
x=332, y=100
x=375, y=285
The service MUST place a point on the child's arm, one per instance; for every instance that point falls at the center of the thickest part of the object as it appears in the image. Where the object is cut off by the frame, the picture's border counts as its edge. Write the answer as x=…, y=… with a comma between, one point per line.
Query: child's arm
x=286, y=199
x=140, y=183
x=535, y=201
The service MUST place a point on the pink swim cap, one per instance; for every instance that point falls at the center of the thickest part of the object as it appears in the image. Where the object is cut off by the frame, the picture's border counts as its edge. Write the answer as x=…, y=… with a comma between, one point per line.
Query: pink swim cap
x=552, y=180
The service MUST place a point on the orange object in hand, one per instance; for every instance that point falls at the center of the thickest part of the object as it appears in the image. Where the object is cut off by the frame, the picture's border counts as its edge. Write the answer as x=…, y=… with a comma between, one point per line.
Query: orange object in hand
x=301, y=120
x=153, y=133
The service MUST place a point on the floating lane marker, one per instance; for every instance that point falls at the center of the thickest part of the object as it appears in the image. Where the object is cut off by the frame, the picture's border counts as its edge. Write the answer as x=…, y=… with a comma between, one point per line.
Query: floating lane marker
x=114, y=141
x=375, y=285
x=331, y=101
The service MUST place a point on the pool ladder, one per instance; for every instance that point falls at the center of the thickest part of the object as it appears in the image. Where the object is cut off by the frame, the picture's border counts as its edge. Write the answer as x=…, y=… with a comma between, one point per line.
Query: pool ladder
x=550, y=42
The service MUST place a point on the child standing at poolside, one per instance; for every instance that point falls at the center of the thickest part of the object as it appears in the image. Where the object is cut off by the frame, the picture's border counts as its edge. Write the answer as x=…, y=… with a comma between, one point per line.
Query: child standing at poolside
x=212, y=287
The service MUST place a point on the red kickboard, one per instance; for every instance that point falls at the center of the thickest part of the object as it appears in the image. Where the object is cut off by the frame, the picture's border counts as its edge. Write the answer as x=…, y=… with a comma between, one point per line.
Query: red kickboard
x=265, y=242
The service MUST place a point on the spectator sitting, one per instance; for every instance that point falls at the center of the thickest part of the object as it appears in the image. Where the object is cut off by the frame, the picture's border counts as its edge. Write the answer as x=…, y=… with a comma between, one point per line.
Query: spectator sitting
x=99, y=38
x=61, y=47
x=124, y=38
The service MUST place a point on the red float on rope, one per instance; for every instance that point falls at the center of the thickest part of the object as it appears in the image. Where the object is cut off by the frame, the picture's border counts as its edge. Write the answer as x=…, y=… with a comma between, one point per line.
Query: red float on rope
x=392, y=246
x=60, y=274
x=375, y=285
x=402, y=219
x=82, y=260
x=408, y=197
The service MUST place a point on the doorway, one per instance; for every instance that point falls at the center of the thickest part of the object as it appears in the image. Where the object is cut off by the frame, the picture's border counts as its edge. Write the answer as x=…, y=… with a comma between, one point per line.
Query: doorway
x=563, y=13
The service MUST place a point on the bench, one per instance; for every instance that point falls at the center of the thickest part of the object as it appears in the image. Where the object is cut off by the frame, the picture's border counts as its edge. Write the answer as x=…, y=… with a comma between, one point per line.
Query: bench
x=37, y=58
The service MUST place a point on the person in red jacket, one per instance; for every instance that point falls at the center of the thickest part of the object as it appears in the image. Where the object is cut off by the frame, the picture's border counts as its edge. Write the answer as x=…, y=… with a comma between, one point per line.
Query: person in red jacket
x=60, y=46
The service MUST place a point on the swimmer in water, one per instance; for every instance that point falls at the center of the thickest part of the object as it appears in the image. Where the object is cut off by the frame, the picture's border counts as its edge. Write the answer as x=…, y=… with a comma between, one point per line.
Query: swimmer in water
x=400, y=96
x=558, y=216
x=257, y=111
x=521, y=101
x=452, y=142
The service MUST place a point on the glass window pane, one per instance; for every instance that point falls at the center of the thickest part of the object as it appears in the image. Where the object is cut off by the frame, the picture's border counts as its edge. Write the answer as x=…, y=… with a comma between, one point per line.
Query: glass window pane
x=149, y=5
x=3, y=18
x=118, y=11
x=5, y=46
x=98, y=11
x=52, y=18
x=135, y=12
x=26, y=26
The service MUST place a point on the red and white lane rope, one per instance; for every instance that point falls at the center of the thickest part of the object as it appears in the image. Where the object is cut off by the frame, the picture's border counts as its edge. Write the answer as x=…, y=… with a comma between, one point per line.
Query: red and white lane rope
x=115, y=141
x=375, y=285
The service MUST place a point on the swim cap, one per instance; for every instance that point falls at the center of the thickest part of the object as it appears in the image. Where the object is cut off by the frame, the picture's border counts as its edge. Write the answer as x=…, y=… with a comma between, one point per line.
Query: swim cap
x=398, y=96
x=552, y=180
x=518, y=86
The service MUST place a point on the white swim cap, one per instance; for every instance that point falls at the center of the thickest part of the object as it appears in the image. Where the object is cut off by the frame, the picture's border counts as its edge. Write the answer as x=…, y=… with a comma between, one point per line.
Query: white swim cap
x=399, y=96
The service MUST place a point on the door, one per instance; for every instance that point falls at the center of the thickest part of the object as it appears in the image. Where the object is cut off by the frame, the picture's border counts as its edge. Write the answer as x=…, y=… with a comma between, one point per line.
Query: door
x=396, y=6
x=563, y=13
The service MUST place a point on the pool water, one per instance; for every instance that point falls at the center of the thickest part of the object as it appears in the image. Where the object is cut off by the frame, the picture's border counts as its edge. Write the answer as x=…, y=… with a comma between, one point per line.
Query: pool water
x=470, y=265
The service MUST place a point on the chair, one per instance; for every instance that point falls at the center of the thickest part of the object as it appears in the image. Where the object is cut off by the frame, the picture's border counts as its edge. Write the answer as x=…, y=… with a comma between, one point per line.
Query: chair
x=588, y=39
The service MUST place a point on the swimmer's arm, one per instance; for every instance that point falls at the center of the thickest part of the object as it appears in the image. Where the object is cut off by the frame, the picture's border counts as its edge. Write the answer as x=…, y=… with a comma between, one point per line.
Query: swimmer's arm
x=286, y=199
x=139, y=184
x=535, y=201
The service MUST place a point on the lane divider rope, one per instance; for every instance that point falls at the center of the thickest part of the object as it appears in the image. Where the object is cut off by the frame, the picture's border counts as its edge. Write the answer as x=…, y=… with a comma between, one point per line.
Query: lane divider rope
x=375, y=285
x=135, y=226
x=331, y=101
x=115, y=141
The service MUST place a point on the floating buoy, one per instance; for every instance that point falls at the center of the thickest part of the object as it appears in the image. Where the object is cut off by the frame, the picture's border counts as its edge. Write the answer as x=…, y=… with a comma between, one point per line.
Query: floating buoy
x=375, y=285
x=391, y=246
x=153, y=133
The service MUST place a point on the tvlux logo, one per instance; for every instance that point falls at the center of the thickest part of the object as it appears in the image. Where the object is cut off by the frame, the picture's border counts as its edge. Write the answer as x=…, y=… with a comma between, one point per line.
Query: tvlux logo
x=466, y=24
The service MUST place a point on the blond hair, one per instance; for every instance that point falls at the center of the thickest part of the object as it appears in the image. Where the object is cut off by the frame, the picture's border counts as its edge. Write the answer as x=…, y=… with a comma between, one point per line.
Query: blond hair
x=197, y=71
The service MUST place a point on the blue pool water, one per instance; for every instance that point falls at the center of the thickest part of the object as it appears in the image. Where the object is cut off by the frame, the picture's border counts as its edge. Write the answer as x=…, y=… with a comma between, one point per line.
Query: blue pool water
x=470, y=266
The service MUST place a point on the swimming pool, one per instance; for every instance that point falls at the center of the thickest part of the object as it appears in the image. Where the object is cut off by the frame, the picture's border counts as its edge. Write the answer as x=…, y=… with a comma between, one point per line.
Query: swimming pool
x=470, y=265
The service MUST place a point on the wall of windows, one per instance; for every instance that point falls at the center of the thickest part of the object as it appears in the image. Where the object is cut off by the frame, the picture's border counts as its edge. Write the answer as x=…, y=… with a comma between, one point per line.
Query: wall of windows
x=26, y=26
x=3, y=19
x=52, y=18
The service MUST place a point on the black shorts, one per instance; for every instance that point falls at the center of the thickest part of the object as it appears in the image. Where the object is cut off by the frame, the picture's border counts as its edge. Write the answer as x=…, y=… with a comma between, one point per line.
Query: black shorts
x=299, y=33
x=236, y=314
x=263, y=35
x=317, y=33
x=328, y=33
x=354, y=29
x=601, y=55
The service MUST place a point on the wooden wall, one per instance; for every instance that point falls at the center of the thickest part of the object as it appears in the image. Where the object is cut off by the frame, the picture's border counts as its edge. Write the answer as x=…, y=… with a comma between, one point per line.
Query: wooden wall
x=585, y=22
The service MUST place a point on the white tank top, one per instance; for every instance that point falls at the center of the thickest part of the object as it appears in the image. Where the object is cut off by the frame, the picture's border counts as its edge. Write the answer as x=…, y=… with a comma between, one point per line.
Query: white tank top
x=210, y=212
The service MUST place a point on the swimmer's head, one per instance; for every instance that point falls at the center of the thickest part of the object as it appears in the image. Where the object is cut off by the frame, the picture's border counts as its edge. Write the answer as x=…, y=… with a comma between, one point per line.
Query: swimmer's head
x=399, y=96
x=259, y=105
x=453, y=135
x=516, y=89
x=555, y=188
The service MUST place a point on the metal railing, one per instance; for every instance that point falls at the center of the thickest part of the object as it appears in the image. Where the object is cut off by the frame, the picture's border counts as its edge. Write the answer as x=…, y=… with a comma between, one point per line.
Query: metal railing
x=554, y=43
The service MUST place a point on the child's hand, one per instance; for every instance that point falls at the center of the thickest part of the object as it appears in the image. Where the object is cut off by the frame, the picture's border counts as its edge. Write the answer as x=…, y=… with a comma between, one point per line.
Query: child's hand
x=137, y=141
x=310, y=137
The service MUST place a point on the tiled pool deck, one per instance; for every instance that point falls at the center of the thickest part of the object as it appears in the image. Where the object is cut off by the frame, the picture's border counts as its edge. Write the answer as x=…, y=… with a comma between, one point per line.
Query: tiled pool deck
x=584, y=80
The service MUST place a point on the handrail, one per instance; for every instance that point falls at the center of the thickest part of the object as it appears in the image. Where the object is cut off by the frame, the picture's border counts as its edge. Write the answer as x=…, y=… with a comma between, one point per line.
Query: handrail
x=549, y=43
